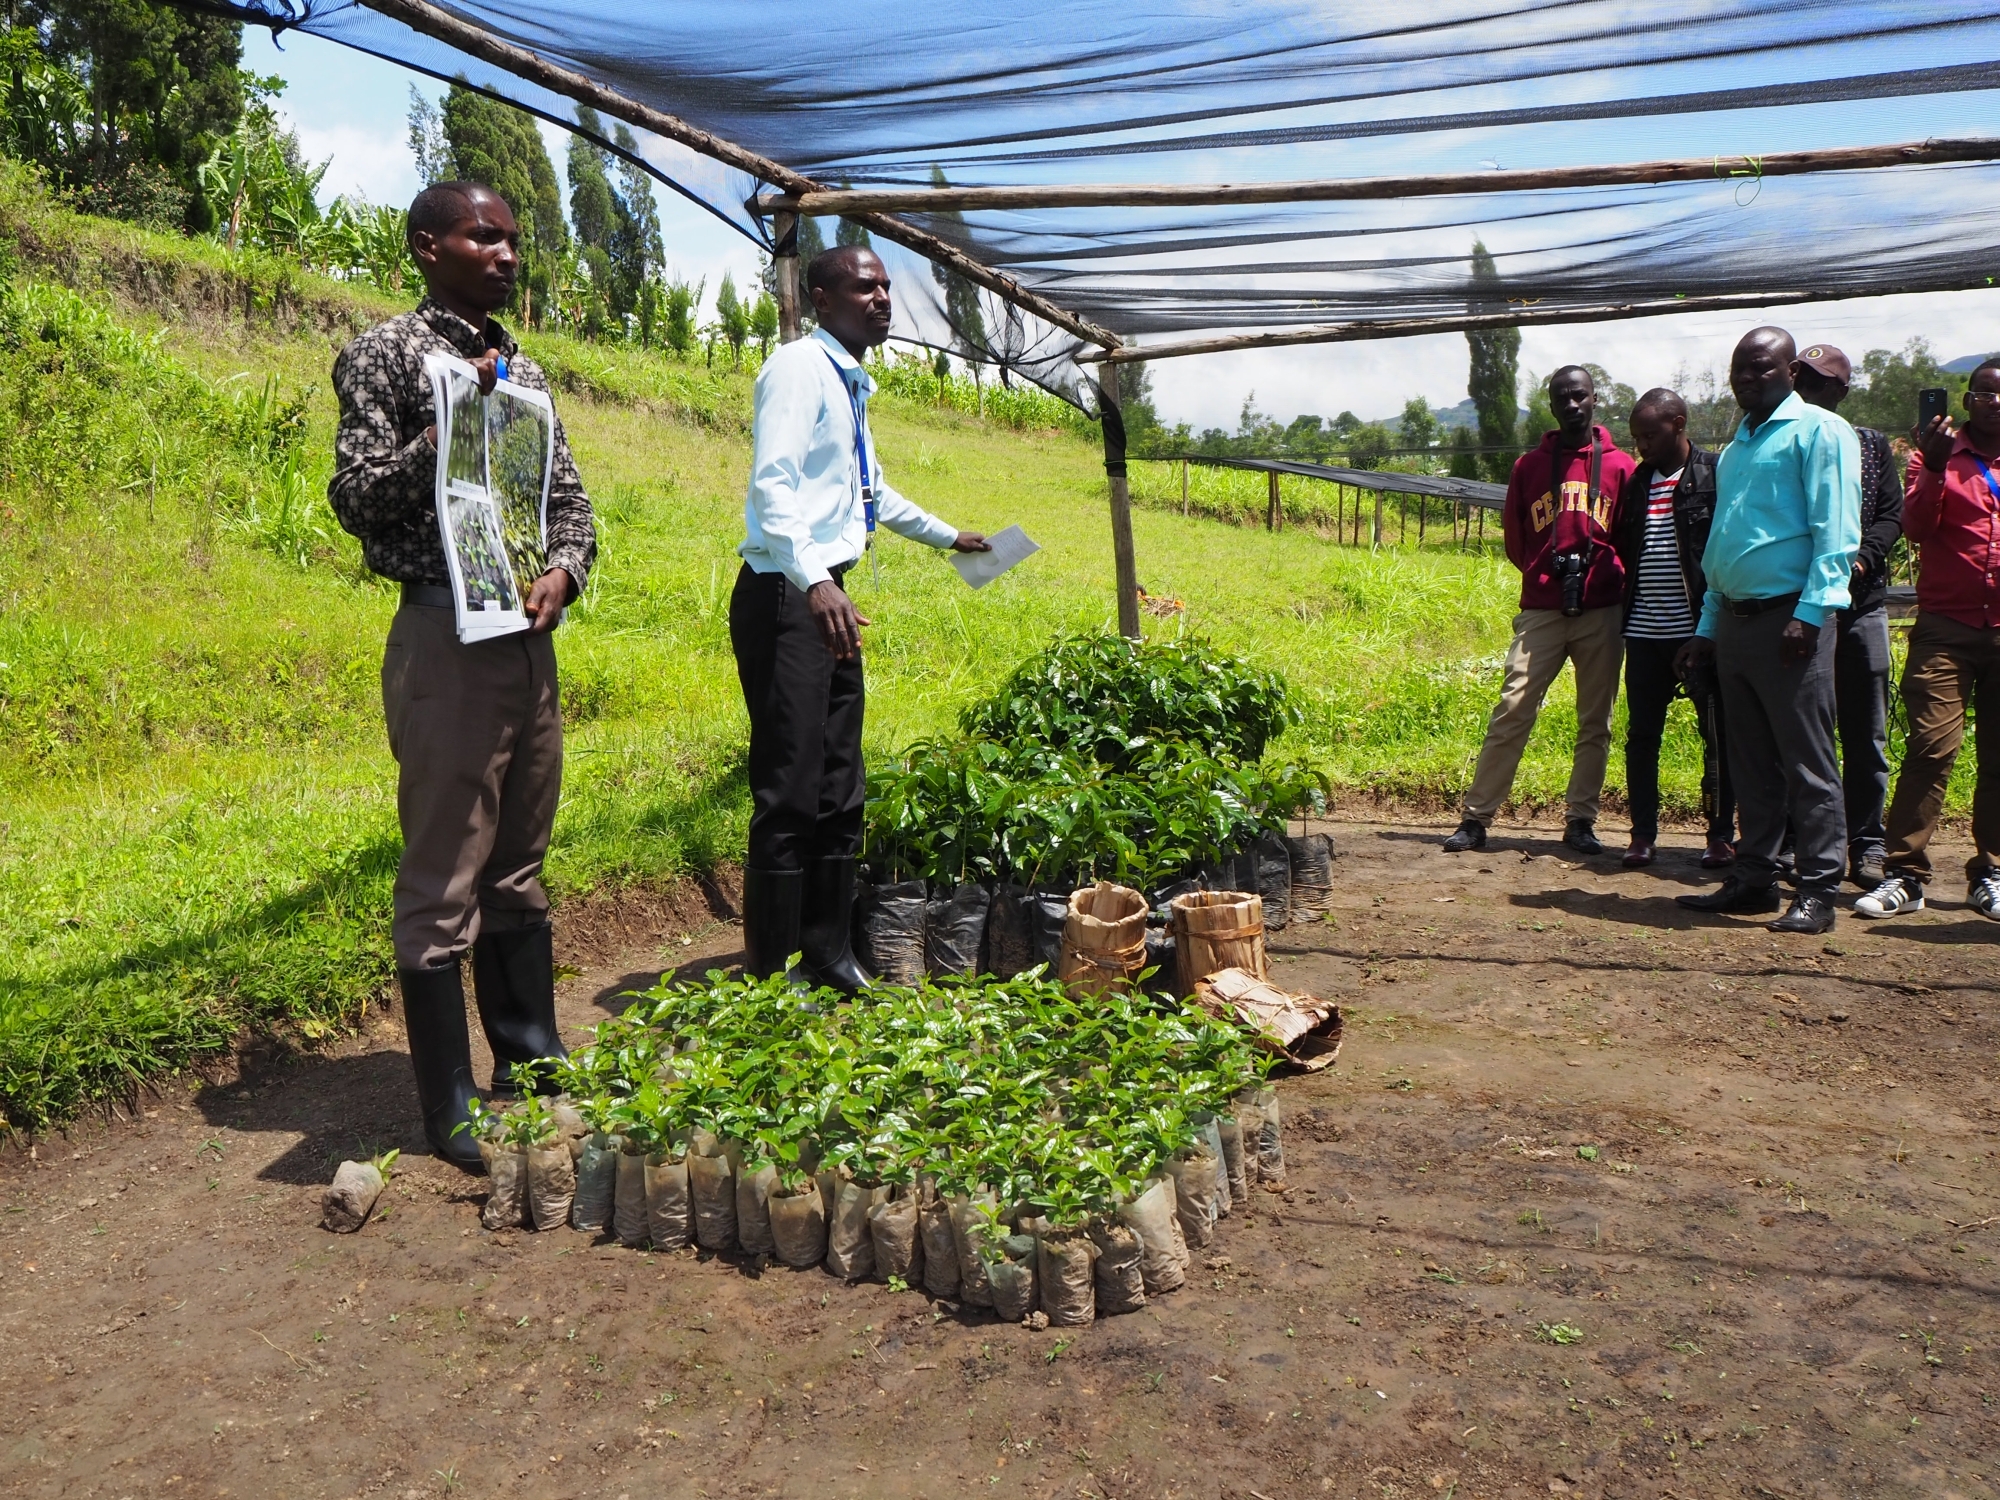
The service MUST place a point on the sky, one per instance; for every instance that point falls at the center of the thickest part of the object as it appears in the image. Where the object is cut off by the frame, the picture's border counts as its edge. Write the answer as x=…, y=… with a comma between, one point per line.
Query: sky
x=351, y=108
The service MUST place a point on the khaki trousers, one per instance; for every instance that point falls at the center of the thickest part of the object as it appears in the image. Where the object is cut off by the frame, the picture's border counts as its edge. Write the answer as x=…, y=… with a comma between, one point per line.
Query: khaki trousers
x=477, y=735
x=1543, y=640
x=1951, y=667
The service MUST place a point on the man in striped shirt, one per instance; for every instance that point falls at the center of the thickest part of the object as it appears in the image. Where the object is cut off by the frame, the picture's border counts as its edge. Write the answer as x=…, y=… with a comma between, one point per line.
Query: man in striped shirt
x=1663, y=528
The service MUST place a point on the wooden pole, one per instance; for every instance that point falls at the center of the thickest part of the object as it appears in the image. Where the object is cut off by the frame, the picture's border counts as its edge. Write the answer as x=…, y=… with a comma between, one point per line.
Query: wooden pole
x=847, y=202
x=1402, y=519
x=1274, y=519
x=785, y=263
x=1423, y=514
x=436, y=22
x=1123, y=560
x=1184, y=489
x=1375, y=537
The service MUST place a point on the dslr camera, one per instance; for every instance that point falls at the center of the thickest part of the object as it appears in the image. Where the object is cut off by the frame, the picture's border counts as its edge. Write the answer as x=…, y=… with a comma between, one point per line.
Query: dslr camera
x=1572, y=568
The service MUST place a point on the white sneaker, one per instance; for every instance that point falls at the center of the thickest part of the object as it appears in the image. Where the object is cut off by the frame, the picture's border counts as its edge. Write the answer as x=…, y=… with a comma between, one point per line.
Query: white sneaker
x=1983, y=895
x=1899, y=894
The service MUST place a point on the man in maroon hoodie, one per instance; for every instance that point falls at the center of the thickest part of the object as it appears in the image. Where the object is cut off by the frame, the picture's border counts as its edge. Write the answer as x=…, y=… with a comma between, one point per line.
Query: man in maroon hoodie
x=1560, y=515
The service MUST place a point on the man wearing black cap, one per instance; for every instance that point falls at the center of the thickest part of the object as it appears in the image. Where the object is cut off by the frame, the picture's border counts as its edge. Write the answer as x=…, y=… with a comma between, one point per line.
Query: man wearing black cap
x=1861, y=655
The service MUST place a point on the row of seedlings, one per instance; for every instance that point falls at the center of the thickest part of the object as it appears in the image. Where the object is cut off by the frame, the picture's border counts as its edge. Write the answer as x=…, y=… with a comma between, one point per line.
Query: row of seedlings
x=997, y=1143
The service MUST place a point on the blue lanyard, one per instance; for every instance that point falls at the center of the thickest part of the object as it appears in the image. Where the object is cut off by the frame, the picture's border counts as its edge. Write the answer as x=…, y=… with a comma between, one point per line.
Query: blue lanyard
x=860, y=442
x=1991, y=483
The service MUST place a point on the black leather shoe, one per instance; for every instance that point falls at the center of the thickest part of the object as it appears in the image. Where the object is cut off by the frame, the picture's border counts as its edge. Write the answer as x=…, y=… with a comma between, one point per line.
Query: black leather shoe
x=826, y=927
x=771, y=900
x=1809, y=914
x=514, y=978
x=441, y=1051
x=1580, y=834
x=1733, y=896
x=1471, y=835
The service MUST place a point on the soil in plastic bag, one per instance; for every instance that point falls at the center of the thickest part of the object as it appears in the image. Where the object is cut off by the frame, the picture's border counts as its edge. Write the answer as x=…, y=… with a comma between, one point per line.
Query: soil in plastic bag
x=899, y=1248
x=712, y=1186
x=628, y=1204
x=569, y=1123
x=1250, y=1121
x=669, y=1215
x=551, y=1184
x=940, y=1250
x=850, y=1247
x=798, y=1226
x=1194, y=1195
x=1048, y=915
x=1211, y=1135
x=1274, y=879
x=1013, y=1278
x=890, y=925
x=1121, y=1284
x=1163, y=1259
x=1162, y=960
x=596, y=1184
x=1069, y=1284
x=507, y=1192
x=753, y=1213
x=1270, y=1139
x=349, y=1198
x=967, y=1224
x=1235, y=871
x=1010, y=943
x=955, y=928
x=1231, y=1131
x=1312, y=875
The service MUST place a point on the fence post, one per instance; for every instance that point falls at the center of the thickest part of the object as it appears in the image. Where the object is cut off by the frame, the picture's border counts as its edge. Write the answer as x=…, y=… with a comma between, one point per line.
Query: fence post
x=1184, y=492
x=1274, y=517
x=1113, y=421
x=1375, y=534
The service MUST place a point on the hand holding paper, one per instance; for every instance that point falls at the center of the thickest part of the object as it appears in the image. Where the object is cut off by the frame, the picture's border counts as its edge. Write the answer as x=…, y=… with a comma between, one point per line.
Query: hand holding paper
x=1008, y=548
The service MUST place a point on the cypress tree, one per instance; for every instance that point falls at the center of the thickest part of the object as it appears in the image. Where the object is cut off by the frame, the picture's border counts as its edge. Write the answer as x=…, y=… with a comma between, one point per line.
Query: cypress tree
x=1494, y=381
x=497, y=144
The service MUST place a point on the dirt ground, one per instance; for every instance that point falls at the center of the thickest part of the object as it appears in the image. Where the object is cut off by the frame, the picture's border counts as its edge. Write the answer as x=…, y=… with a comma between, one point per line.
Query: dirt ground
x=1756, y=1176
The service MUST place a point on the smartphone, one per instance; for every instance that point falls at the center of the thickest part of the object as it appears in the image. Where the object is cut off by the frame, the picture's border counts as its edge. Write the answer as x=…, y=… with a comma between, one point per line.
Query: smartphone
x=1932, y=403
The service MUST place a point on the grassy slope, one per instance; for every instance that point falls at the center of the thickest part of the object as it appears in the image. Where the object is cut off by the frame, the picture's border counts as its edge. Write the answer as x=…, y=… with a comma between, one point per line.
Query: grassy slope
x=195, y=794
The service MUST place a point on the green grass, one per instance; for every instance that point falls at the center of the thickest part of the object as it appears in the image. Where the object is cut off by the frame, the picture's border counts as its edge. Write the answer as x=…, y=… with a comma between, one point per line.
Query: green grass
x=197, y=831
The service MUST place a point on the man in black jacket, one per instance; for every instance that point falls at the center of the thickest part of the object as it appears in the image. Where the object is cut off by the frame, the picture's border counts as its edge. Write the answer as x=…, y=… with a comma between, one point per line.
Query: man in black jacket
x=1663, y=526
x=1861, y=657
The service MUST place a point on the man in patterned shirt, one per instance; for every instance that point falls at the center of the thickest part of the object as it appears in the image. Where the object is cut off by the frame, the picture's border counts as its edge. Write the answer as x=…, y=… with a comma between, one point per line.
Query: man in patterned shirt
x=476, y=729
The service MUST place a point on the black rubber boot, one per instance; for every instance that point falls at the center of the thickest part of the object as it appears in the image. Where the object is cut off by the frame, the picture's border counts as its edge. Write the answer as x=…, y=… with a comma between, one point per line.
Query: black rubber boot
x=514, y=976
x=771, y=904
x=826, y=927
x=441, y=1050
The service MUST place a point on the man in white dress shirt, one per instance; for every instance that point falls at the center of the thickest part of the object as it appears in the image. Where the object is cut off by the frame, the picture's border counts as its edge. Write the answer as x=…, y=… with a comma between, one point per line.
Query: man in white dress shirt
x=816, y=492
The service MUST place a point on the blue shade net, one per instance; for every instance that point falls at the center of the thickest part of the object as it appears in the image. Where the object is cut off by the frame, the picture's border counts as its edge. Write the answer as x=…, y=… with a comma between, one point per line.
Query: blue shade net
x=979, y=92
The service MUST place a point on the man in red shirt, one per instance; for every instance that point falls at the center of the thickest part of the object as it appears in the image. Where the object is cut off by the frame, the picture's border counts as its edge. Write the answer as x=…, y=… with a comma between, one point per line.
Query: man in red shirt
x=1951, y=511
x=1560, y=513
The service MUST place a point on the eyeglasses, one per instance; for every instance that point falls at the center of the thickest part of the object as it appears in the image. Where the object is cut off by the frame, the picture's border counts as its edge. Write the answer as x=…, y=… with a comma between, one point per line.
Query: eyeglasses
x=1983, y=398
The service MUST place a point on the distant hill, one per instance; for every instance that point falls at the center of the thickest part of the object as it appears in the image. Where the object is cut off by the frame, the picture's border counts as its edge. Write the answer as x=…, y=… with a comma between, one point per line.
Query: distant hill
x=1465, y=414
x=1965, y=364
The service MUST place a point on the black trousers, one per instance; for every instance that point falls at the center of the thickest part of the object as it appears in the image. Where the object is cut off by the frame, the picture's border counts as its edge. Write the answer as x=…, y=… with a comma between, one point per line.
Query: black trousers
x=807, y=786
x=1650, y=686
x=1781, y=758
x=1861, y=711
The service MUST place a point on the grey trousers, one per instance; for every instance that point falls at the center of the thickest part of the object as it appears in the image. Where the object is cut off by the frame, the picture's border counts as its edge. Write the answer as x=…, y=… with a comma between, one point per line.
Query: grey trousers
x=1861, y=709
x=477, y=735
x=1780, y=747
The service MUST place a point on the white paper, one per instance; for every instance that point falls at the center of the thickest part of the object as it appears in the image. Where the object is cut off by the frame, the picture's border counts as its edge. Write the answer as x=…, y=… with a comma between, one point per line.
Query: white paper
x=980, y=568
x=495, y=457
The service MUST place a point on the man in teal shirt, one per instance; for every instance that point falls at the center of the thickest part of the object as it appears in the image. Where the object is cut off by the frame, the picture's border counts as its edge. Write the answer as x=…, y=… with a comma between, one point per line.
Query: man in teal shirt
x=1787, y=527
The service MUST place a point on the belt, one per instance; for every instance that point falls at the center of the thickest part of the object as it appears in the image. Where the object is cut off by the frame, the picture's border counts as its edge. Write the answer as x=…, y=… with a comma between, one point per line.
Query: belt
x=1745, y=609
x=428, y=595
